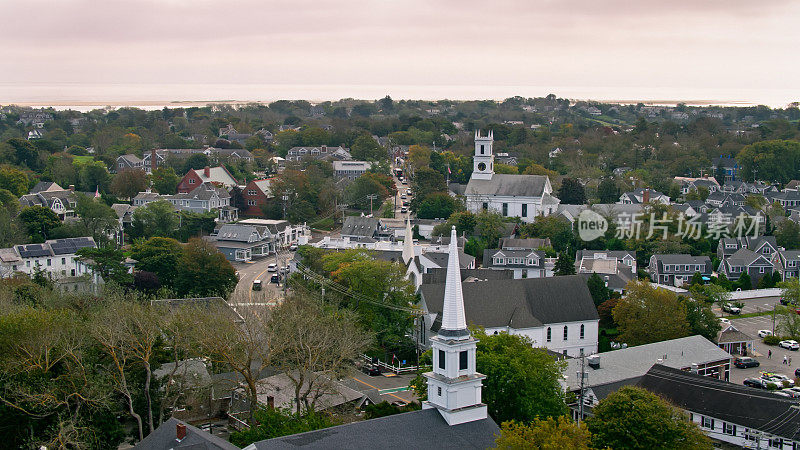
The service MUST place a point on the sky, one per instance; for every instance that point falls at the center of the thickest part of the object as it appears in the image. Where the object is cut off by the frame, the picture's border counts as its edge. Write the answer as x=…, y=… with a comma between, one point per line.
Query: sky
x=697, y=44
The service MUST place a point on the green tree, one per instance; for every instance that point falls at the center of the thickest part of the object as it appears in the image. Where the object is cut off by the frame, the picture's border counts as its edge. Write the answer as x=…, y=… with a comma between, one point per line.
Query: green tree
x=426, y=181
x=93, y=176
x=772, y=160
x=277, y=422
x=128, y=183
x=154, y=219
x=565, y=265
x=489, y=226
x=790, y=290
x=634, y=418
x=159, y=255
x=98, y=218
x=365, y=148
x=22, y=153
x=11, y=232
x=744, y=282
x=204, y=271
x=356, y=193
x=505, y=169
x=39, y=221
x=108, y=262
x=787, y=234
x=549, y=433
x=571, y=192
x=196, y=161
x=438, y=205
x=557, y=229
x=597, y=287
x=522, y=382
x=701, y=318
x=607, y=191
x=13, y=180
x=648, y=314
x=165, y=180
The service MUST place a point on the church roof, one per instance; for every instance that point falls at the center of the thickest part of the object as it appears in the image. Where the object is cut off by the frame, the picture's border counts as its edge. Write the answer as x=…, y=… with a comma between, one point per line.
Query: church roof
x=454, y=323
x=425, y=428
x=508, y=185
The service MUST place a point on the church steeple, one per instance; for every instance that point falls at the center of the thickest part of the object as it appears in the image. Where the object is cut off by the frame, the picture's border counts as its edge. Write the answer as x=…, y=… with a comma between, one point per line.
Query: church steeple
x=408, y=243
x=454, y=385
x=483, y=159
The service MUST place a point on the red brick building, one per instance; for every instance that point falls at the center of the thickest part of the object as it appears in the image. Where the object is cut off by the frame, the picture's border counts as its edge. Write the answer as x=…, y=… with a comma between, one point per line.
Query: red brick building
x=215, y=175
x=256, y=194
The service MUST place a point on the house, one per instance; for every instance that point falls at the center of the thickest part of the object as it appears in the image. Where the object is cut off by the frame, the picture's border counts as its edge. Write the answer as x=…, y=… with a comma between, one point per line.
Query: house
x=206, y=197
x=522, y=196
x=521, y=257
x=321, y=152
x=787, y=263
x=505, y=158
x=194, y=178
x=179, y=435
x=728, y=165
x=746, y=261
x=256, y=195
x=676, y=269
x=242, y=242
x=362, y=228
x=616, y=267
x=642, y=196
x=720, y=198
x=764, y=245
x=60, y=201
x=787, y=199
x=35, y=134
x=738, y=415
x=350, y=169
x=125, y=216
x=57, y=258
x=694, y=184
x=128, y=162
x=557, y=313
x=735, y=187
x=283, y=233
x=734, y=341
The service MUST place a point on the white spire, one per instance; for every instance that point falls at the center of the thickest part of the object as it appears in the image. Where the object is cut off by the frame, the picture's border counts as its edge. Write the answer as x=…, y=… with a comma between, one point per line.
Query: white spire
x=454, y=324
x=408, y=243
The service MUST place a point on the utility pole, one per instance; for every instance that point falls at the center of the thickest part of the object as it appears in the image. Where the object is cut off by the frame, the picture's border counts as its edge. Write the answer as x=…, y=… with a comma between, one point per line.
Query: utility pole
x=342, y=208
x=285, y=199
x=582, y=376
x=371, y=197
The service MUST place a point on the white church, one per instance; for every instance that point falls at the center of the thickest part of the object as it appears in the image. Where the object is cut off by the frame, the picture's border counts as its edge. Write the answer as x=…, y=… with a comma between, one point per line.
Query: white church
x=523, y=196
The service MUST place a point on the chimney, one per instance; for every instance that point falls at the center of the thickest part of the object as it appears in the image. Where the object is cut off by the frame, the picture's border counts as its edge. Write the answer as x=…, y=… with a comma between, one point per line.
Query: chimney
x=594, y=361
x=180, y=431
x=153, y=159
x=646, y=196
x=207, y=172
x=72, y=187
x=271, y=402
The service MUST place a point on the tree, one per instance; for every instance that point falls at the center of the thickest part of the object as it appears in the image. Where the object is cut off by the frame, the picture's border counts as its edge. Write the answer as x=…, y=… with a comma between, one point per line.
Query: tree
x=787, y=234
x=92, y=176
x=711, y=294
x=204, y=271
x=744, y=282
x=787, y=322
x=537, y=169
x=648, y=314
x=772, y=160
x=357, y=192
x=522, y=382
x=701, y=318
x=158, y=255
x=365, y=148
x=98, y=218
x=607, y=191
x=154, y=219
x=505, y=169
x=275, y=422
x=426, y=181
x=438, y=205
x=195, y=161
x=571, y=192
x=128, y=183
x=13, y=180
x=489, y=225
x=597, y=287
x=557, y=229
x=565, y=265
x=165, y=180
x=790, y=290
x=39, y=221
x=11, y=233
x=107, y=262
x=549, y=433
x=419, y=156
x=634, y=418
x=606, y=312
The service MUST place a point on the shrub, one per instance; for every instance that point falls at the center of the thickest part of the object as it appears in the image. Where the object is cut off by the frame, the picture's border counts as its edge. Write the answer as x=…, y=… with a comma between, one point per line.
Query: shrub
x=771, y=340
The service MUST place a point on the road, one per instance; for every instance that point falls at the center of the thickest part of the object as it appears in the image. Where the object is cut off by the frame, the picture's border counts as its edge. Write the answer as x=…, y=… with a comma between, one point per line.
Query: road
x=257, y=270
x=754, y=305
x=750, y=326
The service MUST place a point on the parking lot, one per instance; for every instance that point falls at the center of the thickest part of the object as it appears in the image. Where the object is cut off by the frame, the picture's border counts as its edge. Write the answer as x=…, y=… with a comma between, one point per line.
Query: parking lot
x=750, y=326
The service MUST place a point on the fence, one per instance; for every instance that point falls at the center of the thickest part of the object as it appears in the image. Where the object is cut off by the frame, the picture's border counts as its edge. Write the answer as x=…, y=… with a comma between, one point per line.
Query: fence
x=398, y=369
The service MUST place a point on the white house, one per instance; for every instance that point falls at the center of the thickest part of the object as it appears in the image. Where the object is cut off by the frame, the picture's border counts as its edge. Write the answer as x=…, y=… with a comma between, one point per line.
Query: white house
x=523, y=196
x=56, y=258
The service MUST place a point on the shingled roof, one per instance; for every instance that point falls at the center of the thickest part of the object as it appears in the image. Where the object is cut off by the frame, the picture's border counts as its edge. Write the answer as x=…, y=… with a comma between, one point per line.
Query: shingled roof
x=508, y=185
x=522, y=303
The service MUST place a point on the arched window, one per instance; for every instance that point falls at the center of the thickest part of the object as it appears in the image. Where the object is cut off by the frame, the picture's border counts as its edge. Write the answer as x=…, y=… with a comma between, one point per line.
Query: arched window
x=582, y=329
x=549, y=334
x=565, y=332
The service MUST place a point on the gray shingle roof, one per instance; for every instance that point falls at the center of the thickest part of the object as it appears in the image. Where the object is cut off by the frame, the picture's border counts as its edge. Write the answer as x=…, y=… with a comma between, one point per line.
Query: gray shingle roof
x=421, y=429
x=522, y=303
x=360, y=226
x=163, y=438
x=508, y=185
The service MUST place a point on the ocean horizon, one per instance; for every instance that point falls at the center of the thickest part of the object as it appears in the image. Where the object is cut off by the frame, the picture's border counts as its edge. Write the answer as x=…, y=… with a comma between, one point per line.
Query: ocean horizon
x=88, y=96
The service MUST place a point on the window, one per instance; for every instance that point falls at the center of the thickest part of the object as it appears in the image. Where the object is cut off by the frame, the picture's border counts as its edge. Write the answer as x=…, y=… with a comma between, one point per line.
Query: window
x=707, y=422
x=776, y=443
x=485, y=206
x=191, y=180
x=481, y=149
x=524, y=210
x=505, y=209
x=63, y=260
x=441, y=359
x=549, y=334
x=582, y=330
x=499, y=261
x=729, y=428
x=748, y=435
x=251, y=203
x=251, y=192
x=463, y=360
x=687, y=268
x=28, y=263
x=760, y=270
x=439, y=391
x=566, y=334
x=49, y=262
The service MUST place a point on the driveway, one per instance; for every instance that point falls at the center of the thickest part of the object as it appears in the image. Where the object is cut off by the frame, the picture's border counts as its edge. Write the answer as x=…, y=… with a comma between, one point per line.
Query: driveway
x=750, y=326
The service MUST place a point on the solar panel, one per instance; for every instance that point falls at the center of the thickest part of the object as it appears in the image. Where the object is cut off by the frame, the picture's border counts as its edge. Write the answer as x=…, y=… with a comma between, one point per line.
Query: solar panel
x=33, y=251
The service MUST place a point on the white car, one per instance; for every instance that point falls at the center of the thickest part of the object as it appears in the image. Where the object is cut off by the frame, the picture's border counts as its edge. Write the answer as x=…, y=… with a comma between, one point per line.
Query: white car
x=724, y=320
x=272, y=267
x=293, y=248
x=764, y=333
x=790, y=344
x=781, y=379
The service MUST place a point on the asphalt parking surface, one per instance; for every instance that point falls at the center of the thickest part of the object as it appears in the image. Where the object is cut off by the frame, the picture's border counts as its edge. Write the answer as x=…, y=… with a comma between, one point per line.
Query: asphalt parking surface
x=750, y=326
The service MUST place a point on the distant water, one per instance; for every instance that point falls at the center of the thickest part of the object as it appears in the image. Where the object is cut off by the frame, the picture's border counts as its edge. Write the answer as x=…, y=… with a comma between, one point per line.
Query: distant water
x=85, y=97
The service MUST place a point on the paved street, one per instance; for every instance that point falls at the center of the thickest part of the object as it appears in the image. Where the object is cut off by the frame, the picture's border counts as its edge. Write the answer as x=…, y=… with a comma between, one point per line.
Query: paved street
x=392, y=388
x=750, y=326
x=257, y=270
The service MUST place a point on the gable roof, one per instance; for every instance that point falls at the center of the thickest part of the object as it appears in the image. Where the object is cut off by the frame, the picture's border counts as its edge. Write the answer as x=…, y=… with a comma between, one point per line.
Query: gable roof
x=43, y=186
x=360, y=226
x=216, y=175
x=508, y=185
x=745, y=406
x=524, y=303
x=425, y=428
x=745, y=257
x=164, y=437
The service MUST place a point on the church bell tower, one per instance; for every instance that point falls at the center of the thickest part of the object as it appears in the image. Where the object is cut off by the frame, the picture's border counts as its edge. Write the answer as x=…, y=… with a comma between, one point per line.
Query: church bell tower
x=483, y=160
x=454, y=385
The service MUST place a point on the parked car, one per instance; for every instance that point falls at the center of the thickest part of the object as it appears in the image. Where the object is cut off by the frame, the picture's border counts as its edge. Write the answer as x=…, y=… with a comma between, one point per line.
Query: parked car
x=403, y=196
x=404, y=210
x=790, y=344
x=793, y=391
x=293, y=248
x=743, y=362
x=764, y=333
x=371, y=369
x=724, y=320
x=256, y=285
x=272, y=267
x=275, y=279
x=781, y=380
x=754, y=383
x=731, y=309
